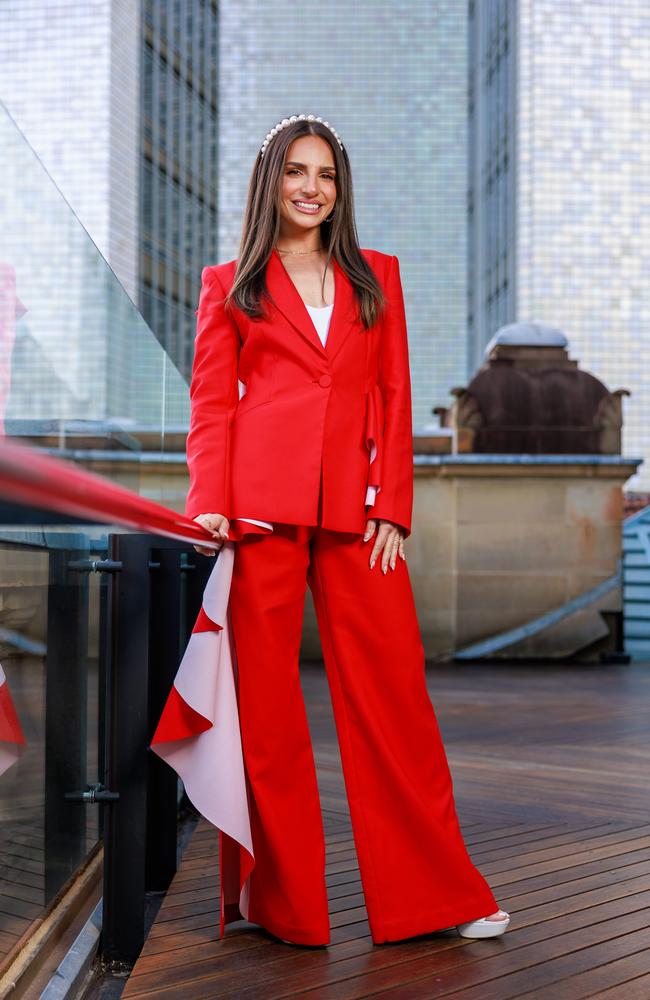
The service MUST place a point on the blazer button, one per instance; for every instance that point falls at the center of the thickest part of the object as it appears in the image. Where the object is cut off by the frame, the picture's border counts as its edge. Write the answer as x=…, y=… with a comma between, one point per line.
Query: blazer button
x=325, y=380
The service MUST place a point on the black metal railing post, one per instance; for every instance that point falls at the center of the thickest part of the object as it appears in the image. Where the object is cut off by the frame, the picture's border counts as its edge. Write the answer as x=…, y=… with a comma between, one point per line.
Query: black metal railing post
x=66, y=741
x=127, y=636
x=164, y=656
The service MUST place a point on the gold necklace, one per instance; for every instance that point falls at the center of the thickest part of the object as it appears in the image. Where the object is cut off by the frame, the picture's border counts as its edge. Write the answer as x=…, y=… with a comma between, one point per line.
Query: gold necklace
x=298, y=251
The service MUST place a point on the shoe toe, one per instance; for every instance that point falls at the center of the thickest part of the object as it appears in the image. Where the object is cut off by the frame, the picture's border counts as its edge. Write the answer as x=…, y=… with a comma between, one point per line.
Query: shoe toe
x=483, y=927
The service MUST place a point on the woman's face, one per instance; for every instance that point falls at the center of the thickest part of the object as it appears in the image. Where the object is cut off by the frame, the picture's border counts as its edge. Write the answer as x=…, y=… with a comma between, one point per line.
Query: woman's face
x=309, y=177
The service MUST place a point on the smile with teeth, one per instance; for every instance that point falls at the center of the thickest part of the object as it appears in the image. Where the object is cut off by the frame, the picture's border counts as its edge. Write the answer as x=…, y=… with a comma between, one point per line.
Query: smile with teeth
x=306, y=206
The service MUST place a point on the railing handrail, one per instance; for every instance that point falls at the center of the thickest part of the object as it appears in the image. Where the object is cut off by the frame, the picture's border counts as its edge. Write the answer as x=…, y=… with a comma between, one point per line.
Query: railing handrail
x=31, y=478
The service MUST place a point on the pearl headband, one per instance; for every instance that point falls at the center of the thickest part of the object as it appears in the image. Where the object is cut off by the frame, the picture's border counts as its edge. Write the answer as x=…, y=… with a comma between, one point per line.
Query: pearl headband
x=289, y=121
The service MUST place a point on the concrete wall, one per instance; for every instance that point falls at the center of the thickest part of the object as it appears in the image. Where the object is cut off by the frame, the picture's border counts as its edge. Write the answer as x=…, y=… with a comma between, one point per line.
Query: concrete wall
x=495, y=543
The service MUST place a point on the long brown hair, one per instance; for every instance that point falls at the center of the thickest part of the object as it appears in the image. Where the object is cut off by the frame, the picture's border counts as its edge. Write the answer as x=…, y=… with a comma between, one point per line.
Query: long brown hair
x=261, y=227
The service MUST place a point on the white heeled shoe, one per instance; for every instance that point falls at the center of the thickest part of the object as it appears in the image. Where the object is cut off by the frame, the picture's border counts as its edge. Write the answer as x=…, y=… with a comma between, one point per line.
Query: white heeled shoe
x=484, y=928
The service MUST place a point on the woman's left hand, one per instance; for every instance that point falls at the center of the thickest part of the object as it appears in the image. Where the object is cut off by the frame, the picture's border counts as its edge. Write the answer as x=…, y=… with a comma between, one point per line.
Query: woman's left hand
x=389, y=541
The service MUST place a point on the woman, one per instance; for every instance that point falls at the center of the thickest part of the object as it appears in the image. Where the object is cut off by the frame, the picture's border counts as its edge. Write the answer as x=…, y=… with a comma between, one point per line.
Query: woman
x=301, y=427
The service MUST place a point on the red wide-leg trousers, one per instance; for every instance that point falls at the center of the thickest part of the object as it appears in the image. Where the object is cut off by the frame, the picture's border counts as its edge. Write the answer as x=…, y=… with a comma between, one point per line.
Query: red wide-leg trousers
x=415, y=870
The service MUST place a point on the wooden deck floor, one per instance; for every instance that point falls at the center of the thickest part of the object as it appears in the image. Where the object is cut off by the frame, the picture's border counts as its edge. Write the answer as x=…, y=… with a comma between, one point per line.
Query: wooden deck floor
x=551, y=774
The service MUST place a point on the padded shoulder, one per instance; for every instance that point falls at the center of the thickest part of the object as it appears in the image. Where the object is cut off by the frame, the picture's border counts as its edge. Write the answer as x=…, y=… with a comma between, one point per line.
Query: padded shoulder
x=223, y=273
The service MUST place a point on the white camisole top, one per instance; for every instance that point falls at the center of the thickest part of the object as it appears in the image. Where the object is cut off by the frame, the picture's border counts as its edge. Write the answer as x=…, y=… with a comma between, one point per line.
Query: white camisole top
x=321, y=316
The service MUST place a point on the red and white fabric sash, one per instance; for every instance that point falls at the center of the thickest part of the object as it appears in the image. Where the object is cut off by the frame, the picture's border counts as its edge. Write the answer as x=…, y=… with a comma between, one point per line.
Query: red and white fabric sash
x=199, y=736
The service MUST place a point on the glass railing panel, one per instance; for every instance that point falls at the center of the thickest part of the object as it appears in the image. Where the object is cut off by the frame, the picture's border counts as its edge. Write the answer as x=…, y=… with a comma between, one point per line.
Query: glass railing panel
x=80, y=370
x=51, y=704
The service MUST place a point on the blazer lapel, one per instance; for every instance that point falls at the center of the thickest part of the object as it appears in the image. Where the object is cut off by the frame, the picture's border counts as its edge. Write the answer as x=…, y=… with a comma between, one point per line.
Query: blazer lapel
x=289, y=301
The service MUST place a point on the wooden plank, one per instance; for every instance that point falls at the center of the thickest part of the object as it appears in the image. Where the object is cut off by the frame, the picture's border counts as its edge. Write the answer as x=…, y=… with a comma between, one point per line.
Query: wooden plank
x=636, y=989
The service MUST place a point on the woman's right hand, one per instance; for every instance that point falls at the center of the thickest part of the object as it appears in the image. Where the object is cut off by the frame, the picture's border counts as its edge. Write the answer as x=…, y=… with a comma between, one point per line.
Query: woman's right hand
x=217, y=525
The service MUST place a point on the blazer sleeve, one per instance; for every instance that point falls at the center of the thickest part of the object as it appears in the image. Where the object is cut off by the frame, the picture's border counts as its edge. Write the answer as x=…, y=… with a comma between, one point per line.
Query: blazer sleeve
x=213, y=401
x=394, y=501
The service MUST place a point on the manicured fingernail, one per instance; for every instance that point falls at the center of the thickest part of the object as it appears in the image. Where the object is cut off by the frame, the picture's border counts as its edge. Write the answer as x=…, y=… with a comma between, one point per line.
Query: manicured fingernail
x=366, y=537
x=384, y=569
x=372, y=563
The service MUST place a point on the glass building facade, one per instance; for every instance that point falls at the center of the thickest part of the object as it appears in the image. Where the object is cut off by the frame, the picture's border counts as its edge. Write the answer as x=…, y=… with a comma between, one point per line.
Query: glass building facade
x=492, y=90
x=179, y=178
x=392, y=79
x=568, y=100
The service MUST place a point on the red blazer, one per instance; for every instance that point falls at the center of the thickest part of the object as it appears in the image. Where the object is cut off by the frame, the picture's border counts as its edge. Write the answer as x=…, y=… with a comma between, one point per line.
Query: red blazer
x=344, y=408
